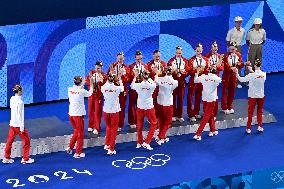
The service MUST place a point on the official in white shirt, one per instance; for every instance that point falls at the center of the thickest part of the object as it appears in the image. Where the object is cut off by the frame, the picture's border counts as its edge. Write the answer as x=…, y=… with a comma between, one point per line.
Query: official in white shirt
x=77, y=111
x=145, y=108
x=210, y=83
x=111, y=111
x=256, y=80
x=17, y=127
x=166, y=85
x=256, y=37
x=237, y=34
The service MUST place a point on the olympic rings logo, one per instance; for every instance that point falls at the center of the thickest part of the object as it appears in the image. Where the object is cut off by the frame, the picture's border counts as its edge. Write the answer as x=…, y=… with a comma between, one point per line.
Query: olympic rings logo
x=277, y=177
x=138, y=163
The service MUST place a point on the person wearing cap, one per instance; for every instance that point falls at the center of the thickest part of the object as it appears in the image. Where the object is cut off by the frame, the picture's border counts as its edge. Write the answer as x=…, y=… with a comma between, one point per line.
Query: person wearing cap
x=95, y=105
x=215, y=60
x=160, y=66
x=237, y=34
x=17, y=127
x=120, y=70
x=137, y=67
x=178, y=64
x=77, y=111
x=255, y=39
x=111, y=109
x=256, y=80
x=166, y=85
x=210, y=83
x=145, y=108
x=197, y=61
x=232, y=59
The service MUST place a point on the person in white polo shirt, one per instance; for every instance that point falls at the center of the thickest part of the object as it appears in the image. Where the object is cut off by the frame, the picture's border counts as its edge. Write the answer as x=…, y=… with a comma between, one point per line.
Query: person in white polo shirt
x=166, y=85
x=17, y=127
x=210, y=83
x=77, y=111
x=255, y=39
x=111, y=111
x=145, y=108
x=256, y=95
x=237, y=34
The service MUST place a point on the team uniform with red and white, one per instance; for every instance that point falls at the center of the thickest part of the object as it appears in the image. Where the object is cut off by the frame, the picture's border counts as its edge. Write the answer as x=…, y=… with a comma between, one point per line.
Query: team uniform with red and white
x=161, y=66
x=77, y=111
x=145, y=108
x=166, y=86
x=229, y=79
x=195, y=88
x=213, y=59
x=111, y=110
x=123, y=95
x=95, y=101
x=17, y=128
x=255, y=94
x=178, y=95
x=210, y=83
x=132, y=106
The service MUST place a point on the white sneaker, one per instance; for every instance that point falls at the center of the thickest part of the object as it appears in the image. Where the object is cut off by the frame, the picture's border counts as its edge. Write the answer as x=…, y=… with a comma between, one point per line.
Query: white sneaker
x=138, y=146
x=106, y=147
x=90, y=129
x=198, y=116
x=197, y=137
x=28, y=161
x=192, y=119
x=260, y=129
x=174, y=119
x=82, y=155
x=147, y=146
x=160, y=142
x=180, y=119
x=109, y=152
x=213, y=133
x=6, y=161
x=231, y=111
x=239, y=86
x=248, y=131
x=132, y=126
x=119, y=129
x=95, y=132
x=227, y=112
x=166, y=140
x=68, y=150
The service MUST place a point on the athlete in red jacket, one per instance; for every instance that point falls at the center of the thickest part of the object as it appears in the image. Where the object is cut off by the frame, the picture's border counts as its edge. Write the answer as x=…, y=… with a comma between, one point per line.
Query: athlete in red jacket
x=120, y=70
x=215, y=61
x=197, y=61
x=137, y=66
x=232, y=60
x=95, y=101
x=160, y=66
x=178, y=64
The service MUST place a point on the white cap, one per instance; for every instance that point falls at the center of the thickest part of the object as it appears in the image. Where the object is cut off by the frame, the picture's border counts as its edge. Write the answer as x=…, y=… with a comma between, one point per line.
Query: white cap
x=257, y=21
x=238, y=18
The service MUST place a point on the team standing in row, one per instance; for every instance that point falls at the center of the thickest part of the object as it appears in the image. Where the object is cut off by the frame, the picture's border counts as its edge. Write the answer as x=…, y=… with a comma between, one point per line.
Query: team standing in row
x=157, y=92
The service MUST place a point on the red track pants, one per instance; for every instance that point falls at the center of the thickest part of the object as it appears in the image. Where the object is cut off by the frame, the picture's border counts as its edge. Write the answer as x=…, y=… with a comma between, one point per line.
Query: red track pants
x=132, y=120
x=78, y=135
x=178, y=96
x=165, y=120
x=196, y=90
x=112, y=120
x=95, y=108
x=208, y=117
x=13, y=132
x=251, y=105
x=122, y=101
x=150, y=114
x=229, y=81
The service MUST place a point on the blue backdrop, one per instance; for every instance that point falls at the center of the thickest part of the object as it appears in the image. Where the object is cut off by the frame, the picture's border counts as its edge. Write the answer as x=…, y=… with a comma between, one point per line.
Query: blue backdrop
x=44, y=57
